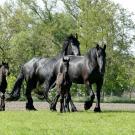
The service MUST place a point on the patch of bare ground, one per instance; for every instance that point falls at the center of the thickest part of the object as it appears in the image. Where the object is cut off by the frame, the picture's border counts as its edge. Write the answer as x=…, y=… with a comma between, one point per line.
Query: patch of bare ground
x=17, y=105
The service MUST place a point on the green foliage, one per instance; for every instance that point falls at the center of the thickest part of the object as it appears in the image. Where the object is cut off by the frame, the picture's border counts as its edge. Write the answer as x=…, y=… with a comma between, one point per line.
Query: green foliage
x=11, y=79
x=29, y=30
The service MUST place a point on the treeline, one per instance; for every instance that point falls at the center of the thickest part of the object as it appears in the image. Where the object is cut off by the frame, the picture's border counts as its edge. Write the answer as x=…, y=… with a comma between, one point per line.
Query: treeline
x=31, y=28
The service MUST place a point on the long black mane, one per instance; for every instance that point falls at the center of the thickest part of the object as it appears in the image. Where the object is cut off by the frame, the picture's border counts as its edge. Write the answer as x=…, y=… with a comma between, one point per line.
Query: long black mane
x=92, y=53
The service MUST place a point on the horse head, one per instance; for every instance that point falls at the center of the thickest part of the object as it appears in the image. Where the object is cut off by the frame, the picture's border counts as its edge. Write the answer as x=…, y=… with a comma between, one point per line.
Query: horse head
x=72, y=45
x=101, y=58
x=5, y=68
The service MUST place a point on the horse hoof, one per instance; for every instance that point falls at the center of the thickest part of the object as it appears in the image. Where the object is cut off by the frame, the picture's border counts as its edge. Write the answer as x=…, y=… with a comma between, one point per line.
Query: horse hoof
x=61, y=111
x=53, y=109
x=31, y=109
x=97, y=109
x=74, y=110
x=87, y=105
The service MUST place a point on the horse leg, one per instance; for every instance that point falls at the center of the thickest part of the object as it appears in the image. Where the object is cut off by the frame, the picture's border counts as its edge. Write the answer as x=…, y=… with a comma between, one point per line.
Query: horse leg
x=97, y=108
x=73, y=108
x=88, y=103
x=3, y=102
x=47, y=86
x=2, y=105
x=29, y=104
x=62, y=103
x=54, y=103
x=67, y=99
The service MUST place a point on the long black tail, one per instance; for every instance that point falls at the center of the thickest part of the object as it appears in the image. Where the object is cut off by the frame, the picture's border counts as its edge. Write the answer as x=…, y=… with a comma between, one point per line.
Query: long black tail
x=15, y=94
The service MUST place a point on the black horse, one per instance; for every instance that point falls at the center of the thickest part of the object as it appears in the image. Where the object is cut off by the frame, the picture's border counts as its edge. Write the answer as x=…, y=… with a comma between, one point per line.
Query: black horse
x=4, y=72
x=39, y=71
x=88, y=69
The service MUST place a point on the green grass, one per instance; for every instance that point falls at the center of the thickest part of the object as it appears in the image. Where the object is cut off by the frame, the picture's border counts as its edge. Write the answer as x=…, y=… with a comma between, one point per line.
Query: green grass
x=55, y=123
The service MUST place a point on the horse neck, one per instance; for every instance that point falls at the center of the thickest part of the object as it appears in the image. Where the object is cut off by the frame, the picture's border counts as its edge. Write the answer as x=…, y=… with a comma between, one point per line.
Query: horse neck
x=91, y=59
x=62, y=53
x=2, y=76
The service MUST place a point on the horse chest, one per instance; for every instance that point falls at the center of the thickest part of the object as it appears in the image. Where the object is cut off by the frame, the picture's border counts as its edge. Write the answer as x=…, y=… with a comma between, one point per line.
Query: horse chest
x=89, y=75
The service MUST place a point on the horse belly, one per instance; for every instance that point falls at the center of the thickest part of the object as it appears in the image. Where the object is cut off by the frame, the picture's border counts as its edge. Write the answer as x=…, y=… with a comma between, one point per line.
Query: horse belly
x=76, y=78
x=42, y=76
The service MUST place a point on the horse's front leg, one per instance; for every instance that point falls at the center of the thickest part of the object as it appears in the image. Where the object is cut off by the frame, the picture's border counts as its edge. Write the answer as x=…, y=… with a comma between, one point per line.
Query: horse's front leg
x=67, y=99
x=2, y=106
x=54, y=103
x=89, y=102
x=99, y=86
x=46, y=87
x=3, y=100
x=62, y=108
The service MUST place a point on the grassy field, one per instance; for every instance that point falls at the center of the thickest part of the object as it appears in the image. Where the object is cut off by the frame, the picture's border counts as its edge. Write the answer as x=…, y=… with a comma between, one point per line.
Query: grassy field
x=54, y=123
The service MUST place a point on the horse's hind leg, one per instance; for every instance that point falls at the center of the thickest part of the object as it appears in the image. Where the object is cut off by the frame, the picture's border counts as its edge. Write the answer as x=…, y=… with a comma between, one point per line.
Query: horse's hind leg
x=73, y=108
x=29, y=104
x=67, y=99
x=54, y=103
x=47, y=86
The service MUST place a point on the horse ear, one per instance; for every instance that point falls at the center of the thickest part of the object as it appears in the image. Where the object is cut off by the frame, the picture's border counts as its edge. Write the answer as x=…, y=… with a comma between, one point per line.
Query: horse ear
x=97, y=46
x=104, y=47
x=71, y=35
x=76, y=35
